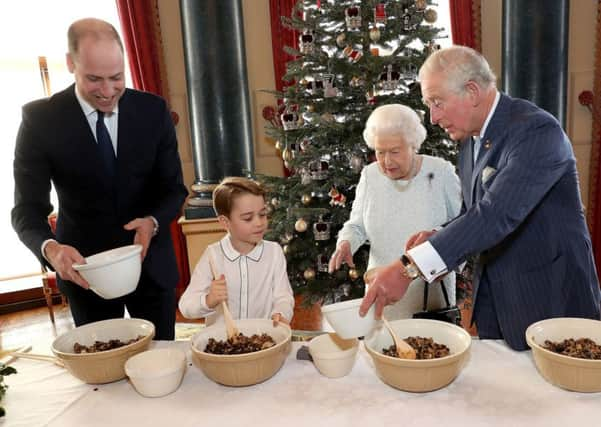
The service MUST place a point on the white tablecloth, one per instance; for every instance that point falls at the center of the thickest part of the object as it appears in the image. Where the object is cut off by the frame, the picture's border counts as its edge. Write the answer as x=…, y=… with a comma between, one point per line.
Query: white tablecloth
x=497, y=387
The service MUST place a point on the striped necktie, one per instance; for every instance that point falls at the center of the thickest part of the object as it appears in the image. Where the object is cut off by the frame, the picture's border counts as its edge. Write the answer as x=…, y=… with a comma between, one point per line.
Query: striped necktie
x=106, y=146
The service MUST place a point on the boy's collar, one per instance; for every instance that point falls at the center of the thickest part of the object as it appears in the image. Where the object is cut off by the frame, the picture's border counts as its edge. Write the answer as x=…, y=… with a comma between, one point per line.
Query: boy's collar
x=232, y=254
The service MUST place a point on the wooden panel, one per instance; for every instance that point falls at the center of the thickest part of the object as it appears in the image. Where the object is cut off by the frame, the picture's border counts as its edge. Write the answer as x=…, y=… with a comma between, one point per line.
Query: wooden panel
x=199, y=234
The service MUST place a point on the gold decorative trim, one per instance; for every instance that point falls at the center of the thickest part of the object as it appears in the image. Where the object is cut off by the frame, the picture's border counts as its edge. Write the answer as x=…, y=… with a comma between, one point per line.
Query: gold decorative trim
x=592, y=211
x=477, y=24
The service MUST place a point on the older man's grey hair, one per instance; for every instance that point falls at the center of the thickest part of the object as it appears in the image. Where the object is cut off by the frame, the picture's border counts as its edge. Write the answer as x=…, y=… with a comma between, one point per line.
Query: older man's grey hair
x=459, y=64
x=395, y=120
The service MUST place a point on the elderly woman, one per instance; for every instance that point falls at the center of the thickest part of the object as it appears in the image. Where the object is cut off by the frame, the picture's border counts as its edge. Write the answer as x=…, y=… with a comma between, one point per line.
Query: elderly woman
x=399, y=194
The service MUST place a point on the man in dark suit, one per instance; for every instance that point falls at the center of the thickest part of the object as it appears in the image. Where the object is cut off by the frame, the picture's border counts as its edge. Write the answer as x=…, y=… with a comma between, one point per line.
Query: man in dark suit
x=111, y=154
x=522, y=214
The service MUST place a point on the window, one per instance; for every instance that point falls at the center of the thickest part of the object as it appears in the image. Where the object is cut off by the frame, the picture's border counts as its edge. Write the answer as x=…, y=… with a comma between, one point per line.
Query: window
x=32, y=28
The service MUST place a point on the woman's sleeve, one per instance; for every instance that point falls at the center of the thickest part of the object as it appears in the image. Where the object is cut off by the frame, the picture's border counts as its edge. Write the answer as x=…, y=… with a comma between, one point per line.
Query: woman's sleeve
x=353, y=229
x=452, y=191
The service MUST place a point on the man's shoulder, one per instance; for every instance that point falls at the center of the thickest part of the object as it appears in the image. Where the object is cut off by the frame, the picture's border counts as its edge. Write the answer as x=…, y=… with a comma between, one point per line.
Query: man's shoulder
x=54, y=103
x=140, y=99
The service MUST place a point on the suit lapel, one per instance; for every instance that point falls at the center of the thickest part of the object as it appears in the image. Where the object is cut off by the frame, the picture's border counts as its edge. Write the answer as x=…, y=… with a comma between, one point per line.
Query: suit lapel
x=491, y=142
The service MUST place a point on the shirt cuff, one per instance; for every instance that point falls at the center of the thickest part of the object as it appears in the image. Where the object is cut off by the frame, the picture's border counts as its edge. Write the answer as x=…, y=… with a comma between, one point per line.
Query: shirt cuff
x=43, y=248
x=155, y=230
x=427, y=260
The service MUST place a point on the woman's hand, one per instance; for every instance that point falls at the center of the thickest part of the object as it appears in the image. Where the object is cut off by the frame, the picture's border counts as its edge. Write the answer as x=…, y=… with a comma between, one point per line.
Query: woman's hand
x=217, y=292
x=342, y=255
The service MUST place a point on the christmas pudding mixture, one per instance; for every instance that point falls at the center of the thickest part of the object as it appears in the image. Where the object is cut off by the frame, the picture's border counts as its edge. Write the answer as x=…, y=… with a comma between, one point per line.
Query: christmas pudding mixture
x=583, y=348
x=103, y=346
x=240, y=344
x=425, y=348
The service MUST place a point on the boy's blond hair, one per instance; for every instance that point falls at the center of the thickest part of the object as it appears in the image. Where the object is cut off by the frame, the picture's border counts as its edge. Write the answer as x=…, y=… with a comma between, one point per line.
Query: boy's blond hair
x=230, y=188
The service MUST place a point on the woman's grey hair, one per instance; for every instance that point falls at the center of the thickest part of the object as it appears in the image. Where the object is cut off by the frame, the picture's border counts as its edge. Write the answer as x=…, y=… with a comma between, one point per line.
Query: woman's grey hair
x=395, y=120
x=459, y=64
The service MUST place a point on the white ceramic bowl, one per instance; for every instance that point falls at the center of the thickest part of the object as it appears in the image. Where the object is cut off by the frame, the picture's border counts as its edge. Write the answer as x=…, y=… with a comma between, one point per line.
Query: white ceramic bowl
x=333, y=356
x=420, y=375
x=571, y=373
x=344, y=318
x=242, y=369
x=113, y=273
x=103, y=366
x=156, y=372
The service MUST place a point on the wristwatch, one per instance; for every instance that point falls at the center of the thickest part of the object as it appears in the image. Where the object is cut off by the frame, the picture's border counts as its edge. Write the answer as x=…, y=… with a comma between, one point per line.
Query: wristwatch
x=411, y=270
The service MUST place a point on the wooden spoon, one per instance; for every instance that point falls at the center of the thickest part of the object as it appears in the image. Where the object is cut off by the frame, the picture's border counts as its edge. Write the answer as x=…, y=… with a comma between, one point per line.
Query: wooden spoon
x=230, y=325
x=403, y=350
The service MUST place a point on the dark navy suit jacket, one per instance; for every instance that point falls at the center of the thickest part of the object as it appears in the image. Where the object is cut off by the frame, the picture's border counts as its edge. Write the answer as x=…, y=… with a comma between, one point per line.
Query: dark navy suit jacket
x=523, y=216
x=55, y=143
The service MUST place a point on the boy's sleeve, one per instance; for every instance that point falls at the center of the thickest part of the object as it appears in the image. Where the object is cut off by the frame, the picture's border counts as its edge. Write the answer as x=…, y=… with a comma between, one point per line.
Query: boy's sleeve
x=283, y=299
x=193, y=302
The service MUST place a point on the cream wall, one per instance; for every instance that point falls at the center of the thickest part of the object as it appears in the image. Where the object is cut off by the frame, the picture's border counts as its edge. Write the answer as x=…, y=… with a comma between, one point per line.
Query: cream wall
x=257, y=28
x=583, y=14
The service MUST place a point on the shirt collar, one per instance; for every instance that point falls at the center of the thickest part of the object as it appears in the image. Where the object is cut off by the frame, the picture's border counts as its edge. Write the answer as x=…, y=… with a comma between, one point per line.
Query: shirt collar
x=232, y=254
x=87, y=107
x=490, y=114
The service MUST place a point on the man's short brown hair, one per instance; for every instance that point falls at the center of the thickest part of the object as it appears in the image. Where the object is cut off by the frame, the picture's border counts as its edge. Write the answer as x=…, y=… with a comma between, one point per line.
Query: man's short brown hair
x=232, y=187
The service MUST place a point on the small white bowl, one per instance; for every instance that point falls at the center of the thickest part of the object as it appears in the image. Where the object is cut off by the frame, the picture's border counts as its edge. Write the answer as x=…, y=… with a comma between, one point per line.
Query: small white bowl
x=333, y=356
x=157, y=372
x=113, y=273
x=344, y=318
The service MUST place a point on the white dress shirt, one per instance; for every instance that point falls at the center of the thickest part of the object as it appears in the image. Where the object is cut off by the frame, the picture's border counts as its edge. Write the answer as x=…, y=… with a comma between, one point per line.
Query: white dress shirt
x=257, y=283
x=425, y=257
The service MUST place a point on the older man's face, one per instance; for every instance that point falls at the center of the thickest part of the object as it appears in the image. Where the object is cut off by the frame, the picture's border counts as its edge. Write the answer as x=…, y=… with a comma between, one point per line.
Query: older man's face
x=454, y=112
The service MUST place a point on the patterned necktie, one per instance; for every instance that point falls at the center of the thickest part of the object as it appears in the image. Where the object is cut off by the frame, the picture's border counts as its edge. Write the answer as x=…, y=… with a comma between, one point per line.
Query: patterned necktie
x=105, y=145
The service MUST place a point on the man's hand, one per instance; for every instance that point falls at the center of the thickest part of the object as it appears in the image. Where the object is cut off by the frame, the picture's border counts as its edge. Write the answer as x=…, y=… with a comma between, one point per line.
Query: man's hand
x=342, y=255
x=62, y=258
x=277, y=318
x=217, y=292
x=418, y=238
x=386, y=286
x=144, y=228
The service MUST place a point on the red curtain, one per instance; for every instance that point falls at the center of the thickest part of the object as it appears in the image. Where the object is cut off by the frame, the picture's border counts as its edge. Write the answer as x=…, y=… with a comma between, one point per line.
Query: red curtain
x=280, y=37
x=142, y=39
x=465, y=22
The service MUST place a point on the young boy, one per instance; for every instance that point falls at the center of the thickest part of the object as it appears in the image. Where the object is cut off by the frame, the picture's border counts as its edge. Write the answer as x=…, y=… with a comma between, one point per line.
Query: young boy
x=251, y=272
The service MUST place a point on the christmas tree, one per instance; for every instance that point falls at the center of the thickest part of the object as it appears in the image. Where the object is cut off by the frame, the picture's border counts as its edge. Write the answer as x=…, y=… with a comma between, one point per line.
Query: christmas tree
x=352, y=57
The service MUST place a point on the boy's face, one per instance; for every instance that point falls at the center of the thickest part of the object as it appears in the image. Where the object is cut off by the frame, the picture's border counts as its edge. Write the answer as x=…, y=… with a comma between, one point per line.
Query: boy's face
x=247, y=222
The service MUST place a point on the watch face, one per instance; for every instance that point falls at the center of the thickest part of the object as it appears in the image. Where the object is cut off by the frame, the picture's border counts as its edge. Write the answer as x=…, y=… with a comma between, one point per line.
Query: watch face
x=412, y=271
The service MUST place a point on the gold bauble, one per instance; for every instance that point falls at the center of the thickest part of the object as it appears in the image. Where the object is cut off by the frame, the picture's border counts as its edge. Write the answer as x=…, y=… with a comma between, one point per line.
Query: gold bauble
x=310, y=108
x=306, y=199
x=286, y=249
x=300, y=225
x=275, y=202
x=279, y=145
x=430, y=16
x=420, y=4
x=374, y=34
x=341, y=40
x=287, y=154
x=353, y=274
x=309, y=274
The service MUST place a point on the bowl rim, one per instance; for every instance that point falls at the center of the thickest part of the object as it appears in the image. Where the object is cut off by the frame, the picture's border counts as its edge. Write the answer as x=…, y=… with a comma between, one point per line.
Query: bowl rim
x=106, y=353
x=244, y=356
x=342, y=305
x=424, y=362
x=569, y=360
x=135, y=250
x=330, y=355
x=165, y=371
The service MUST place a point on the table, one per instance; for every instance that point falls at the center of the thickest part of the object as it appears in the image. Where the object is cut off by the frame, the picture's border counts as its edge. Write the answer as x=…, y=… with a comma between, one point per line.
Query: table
x=498, y=386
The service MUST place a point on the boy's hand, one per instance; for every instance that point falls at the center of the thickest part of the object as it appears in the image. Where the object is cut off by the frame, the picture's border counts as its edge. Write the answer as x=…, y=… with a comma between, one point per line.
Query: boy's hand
x=217, y=292
x=277, y=318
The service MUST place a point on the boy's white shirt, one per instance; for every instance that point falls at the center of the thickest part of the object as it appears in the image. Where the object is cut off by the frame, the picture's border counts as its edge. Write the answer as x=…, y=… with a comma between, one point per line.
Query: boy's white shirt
x=257, y=283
